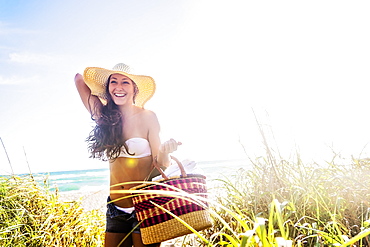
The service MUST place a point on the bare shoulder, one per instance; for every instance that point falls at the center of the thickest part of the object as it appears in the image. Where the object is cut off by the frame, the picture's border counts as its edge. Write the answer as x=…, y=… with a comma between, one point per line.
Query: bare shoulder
x=149, y=116
x=150, y=121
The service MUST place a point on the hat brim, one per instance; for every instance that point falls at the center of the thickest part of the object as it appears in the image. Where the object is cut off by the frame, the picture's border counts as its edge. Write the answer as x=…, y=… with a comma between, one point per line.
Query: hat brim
x=97, y=78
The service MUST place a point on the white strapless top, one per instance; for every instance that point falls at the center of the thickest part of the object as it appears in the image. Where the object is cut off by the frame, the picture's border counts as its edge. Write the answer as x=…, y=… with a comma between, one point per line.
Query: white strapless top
x=137, y=146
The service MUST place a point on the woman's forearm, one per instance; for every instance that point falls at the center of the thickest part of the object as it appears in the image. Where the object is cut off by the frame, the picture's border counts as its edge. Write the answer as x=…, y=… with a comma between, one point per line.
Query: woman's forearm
x=164, y=159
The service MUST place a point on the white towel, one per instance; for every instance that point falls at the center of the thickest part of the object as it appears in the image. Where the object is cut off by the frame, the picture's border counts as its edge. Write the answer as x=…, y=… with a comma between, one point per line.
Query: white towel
x=174, y=170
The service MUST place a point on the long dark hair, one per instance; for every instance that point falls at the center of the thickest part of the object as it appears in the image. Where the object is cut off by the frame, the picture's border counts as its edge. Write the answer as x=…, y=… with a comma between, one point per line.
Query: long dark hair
x=106, y=140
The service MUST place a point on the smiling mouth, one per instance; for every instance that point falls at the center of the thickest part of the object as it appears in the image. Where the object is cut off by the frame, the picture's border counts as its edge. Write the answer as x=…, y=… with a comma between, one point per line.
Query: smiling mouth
x=120, y=94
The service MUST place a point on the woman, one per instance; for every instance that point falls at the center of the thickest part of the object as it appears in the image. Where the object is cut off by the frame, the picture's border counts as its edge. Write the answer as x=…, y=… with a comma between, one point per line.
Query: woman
x=127, y=135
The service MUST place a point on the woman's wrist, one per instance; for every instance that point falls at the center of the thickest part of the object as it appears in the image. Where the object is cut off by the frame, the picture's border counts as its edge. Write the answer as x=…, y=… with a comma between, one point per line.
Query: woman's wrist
x=163, y=159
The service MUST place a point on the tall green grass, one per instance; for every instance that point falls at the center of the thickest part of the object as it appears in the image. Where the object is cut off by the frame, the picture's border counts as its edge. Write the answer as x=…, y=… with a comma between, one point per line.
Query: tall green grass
x=31, y=215
x=282, y=203
x=272, y=202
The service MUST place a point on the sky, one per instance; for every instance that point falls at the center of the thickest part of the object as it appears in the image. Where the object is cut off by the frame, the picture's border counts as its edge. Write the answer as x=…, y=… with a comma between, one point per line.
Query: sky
x=297, y=69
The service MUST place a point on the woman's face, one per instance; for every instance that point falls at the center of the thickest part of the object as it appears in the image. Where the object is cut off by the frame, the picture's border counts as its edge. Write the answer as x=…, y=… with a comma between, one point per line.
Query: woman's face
x=121, y=89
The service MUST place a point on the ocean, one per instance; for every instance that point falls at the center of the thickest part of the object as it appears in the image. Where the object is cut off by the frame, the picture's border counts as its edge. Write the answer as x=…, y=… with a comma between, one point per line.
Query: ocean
x=98, y=179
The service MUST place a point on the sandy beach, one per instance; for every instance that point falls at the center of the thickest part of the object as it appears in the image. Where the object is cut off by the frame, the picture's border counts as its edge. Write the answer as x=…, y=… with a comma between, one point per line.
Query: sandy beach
x=89, y=199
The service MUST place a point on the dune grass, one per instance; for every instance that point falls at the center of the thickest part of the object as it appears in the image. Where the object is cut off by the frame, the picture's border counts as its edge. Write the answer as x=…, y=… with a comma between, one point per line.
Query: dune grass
x=280, y=203
x=271, y=202
x=31, y=215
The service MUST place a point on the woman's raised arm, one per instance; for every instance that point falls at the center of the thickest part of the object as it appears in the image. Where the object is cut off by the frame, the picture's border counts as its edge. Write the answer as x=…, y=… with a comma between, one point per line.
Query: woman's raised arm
x=91, y=102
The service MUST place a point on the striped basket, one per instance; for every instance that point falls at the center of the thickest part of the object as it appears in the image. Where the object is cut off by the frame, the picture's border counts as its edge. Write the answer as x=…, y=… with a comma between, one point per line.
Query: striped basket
x=178, y=196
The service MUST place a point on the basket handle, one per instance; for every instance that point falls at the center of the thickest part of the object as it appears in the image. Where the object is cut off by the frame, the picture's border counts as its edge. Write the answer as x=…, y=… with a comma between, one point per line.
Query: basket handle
x=156, y=165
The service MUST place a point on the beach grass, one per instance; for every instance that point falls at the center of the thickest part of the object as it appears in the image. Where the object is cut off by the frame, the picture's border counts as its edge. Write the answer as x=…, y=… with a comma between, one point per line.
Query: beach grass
x=32, y=215
x=282, y=203
x=270, y=202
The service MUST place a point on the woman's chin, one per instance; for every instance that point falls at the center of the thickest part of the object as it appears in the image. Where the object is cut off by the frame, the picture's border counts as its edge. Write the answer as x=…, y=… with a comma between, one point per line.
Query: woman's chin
x=120, y=101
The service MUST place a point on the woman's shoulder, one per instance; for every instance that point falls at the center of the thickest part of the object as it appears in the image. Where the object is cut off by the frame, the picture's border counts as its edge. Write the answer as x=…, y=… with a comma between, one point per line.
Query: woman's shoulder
x=148, y=114
x=145, y=114
x=151, y=121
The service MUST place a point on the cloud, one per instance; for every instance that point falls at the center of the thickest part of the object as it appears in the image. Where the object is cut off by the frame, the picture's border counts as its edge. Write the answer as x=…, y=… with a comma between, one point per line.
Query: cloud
x=16, y=80
x=6, y=29
x=32, y=58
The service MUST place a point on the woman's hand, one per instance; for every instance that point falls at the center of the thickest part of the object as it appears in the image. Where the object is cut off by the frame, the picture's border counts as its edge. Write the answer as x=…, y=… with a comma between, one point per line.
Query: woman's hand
x=169, y=146
x=165, y=149
x=78, y=77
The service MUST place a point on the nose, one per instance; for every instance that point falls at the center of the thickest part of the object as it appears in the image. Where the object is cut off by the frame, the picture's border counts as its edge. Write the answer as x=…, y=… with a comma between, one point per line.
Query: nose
x=119, y=86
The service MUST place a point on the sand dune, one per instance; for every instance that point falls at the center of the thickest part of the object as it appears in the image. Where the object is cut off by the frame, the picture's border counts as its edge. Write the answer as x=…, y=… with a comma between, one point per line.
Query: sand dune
x=89, y=199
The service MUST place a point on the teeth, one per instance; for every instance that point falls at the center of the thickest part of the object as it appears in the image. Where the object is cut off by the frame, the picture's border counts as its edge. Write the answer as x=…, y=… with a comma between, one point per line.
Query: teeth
x=119, y=94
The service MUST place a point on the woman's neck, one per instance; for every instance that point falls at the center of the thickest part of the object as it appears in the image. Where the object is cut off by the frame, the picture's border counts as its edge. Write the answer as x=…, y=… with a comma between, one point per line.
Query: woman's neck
x=128, y=110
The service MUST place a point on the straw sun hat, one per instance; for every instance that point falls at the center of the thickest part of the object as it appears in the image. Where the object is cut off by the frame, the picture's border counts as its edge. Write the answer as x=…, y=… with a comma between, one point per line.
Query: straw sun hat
x=97, y=78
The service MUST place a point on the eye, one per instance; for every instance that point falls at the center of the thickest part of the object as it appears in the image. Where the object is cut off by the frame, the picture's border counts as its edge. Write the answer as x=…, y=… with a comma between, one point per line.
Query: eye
x=126, y=82
x=112, y=82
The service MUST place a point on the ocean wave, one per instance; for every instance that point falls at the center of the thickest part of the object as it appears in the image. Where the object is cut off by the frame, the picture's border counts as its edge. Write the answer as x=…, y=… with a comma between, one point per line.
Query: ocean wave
x=79, y=174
